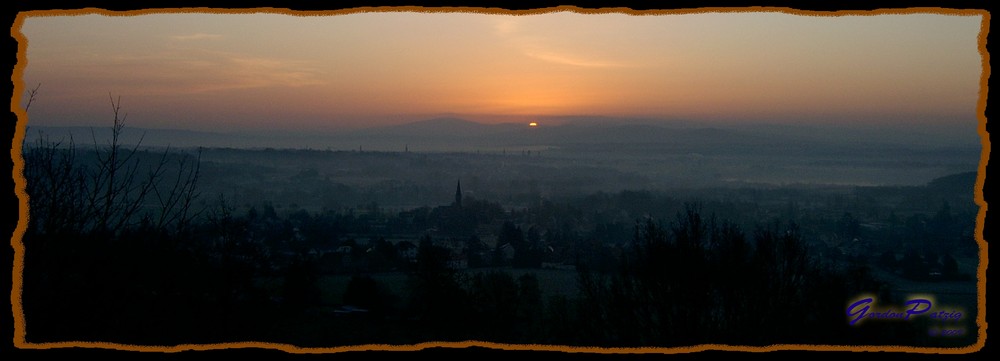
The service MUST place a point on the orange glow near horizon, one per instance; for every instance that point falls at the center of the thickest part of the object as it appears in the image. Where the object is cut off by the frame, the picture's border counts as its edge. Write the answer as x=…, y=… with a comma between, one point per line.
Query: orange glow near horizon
x=370, y=68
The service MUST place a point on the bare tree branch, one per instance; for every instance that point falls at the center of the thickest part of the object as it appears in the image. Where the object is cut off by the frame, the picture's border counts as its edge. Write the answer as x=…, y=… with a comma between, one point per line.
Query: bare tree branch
x=123, y=187
x=31, y=97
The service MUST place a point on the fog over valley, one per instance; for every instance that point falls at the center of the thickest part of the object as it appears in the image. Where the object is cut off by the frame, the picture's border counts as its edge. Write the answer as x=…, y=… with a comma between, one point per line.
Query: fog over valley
x=502, y=161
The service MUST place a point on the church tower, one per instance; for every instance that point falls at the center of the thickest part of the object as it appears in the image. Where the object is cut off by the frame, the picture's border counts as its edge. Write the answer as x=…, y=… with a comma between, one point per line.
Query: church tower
x=458, y=194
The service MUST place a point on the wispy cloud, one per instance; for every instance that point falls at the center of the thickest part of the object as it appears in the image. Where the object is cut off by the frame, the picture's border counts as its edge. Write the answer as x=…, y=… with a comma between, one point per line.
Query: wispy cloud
x=196, y=36
x=539, y=47
x=567, y=59
x=506, y=25
x=200, y=70
x=254, y=72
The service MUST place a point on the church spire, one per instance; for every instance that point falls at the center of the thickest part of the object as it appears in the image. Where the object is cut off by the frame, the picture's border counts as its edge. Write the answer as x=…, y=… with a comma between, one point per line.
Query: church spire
x=458, y=194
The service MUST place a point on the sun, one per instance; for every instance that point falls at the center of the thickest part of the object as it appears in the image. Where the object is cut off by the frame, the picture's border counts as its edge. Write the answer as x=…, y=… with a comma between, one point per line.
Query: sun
x=533, y=124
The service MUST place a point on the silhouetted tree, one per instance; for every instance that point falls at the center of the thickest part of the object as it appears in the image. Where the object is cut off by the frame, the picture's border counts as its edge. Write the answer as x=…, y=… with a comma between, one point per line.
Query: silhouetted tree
x=436, y=296
x=888, y=260
x=301, y=288
x=698, y=282
x=913, y=265
x=381, y=255
x=108, y=231
x=476, y=252
x=494, y=300
x=949, y=266
x=365, y=292
x=106, y=190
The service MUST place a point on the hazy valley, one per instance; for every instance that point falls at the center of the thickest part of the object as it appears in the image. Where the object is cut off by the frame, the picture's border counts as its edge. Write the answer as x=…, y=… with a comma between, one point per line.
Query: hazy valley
x=365, y=236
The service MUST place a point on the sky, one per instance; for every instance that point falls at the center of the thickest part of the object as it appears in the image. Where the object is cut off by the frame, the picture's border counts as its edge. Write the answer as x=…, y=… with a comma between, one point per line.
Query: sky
x=265, y=71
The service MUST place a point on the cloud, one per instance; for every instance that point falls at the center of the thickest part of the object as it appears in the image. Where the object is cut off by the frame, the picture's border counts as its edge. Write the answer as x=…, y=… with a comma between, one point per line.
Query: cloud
x=565, y=59
x=506, y=26
x=254, y=72
x=538, y=46
x=196, y=36
x=181, y=71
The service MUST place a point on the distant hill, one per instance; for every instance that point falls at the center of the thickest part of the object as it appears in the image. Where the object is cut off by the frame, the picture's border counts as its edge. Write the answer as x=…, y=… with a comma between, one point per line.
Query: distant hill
x=586, y=134
x=437, y=128
x=955, y=183
x=570, y=132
